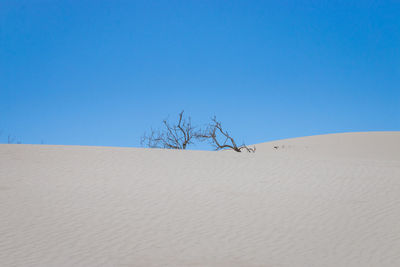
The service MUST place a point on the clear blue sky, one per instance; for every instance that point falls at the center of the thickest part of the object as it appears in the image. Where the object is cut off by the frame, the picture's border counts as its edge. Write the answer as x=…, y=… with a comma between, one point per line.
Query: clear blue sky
x=103, y=72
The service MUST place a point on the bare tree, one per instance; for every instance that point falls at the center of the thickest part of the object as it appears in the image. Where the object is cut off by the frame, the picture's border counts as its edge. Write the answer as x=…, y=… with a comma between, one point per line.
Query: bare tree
x=10, y=139
x=172, y=136
x=183, y=133
x=221, y=139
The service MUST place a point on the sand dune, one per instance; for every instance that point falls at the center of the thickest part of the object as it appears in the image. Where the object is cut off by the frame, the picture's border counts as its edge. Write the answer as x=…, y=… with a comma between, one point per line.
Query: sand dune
x=329, y=200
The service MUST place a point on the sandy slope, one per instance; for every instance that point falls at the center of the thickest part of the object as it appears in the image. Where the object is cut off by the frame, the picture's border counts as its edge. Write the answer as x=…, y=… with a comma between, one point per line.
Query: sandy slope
x=331, y=200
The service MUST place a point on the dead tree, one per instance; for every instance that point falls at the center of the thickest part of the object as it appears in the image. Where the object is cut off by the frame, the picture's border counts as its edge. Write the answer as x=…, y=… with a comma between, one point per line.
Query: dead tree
x=172, y=136
x=10, y=139
x=221, y=139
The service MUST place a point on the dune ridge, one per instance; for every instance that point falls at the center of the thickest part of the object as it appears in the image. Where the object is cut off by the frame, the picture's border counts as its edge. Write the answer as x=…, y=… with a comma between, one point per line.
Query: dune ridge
x=329, y=200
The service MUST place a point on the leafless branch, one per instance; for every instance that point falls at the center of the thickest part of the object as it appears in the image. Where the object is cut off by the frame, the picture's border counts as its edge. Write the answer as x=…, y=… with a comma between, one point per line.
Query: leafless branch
x=10, y=139
x=221, y=139
x=172, y=136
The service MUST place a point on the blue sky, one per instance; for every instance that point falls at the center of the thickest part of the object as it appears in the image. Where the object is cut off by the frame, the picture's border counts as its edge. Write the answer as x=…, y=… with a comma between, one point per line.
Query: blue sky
x=103, y=72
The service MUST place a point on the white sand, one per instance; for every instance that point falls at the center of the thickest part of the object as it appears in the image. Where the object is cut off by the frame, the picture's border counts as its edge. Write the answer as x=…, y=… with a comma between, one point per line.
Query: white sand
x=331, y=200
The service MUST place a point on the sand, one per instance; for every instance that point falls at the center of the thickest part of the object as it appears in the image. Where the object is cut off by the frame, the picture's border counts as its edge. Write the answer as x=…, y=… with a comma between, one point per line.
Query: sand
x=330, y=200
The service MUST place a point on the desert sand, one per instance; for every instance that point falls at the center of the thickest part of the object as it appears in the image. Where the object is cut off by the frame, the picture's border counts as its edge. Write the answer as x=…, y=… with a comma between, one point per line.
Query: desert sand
x=329, y=200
